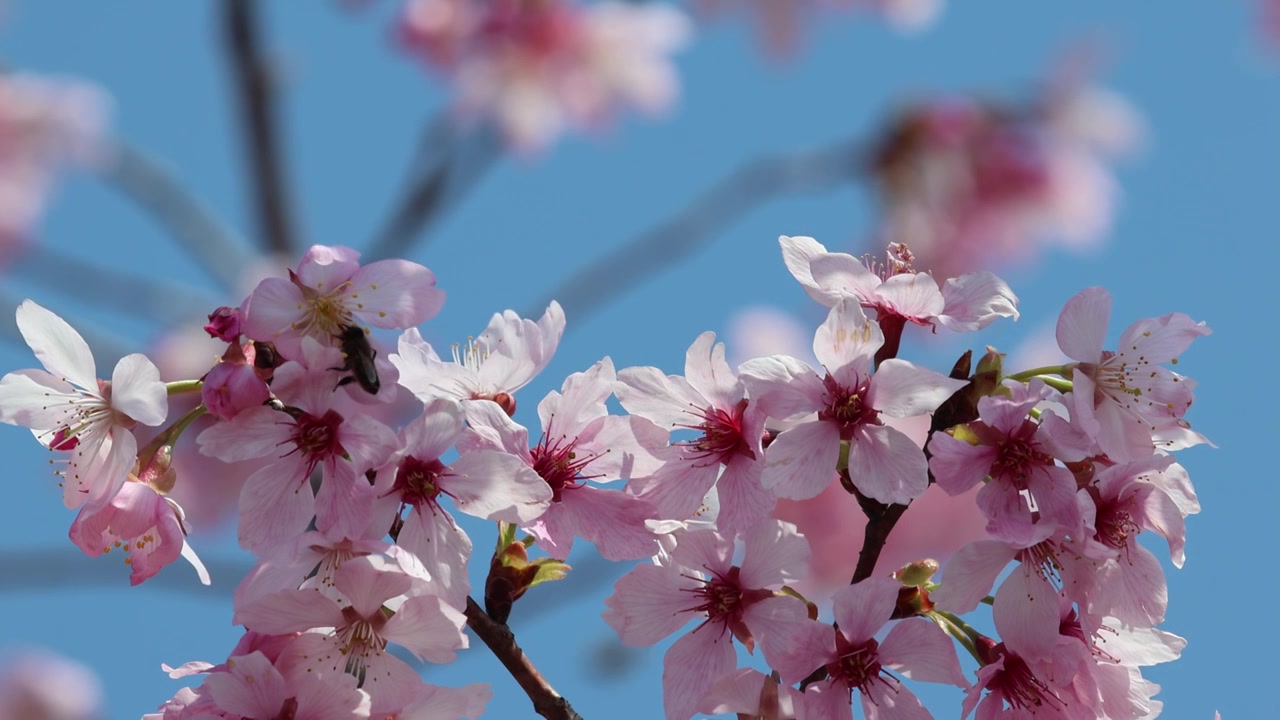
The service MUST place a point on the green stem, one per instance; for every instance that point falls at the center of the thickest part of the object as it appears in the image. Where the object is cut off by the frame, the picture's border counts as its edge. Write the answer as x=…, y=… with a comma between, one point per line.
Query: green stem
x=184, y=422
x=183, y=386
x=1057, y=383
x=1026, y=375
x=958, y=629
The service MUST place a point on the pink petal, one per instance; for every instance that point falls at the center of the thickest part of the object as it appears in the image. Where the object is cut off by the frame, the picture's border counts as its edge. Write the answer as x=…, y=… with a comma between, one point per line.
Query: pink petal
x=862, y=609
x=915, y=297
x=668, y=400
x=743, y=500
x=957, y=465
x=290, y=611
x=271, y=310
x=973, y=301
x=446, y=703
x=27, y=399
x=1133, y=588
x=614, y=521
x=325, y=267
x=847, y=339
x=691, y=666
x=969, y=575
x=708, y=373
x=99, y=467
x=1082, y=326
x=677, y=489
x=344, y=501
x=251, y=687
x=886, y=465
x=919, y=650
x=395, y=294
x=367, y=441
x=649, y=603
x=443, y=548
x=774, y=555
x=892, y=700
x=842, y=275
x=1161, y=340
x=275, y=507
x=1026, y=614
x=433, y=432
x=427, y=627
x=798, y=465
x=57, y=346
x=797, y=253
x=703, y=551
x=902, y=389
x=783, y=387
x=255, y=433
x=496, y=486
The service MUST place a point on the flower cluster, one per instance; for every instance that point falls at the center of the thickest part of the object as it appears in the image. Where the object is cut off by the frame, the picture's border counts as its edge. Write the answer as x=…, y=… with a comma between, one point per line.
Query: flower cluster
x=536, y=67
x=350, y=500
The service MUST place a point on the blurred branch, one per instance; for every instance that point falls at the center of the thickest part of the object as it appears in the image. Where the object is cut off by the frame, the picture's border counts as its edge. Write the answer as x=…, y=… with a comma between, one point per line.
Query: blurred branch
x=676, y=239
x=150, y=298
x=152, y=186
x=446, y=168
x=254, y=80
x=499, y=638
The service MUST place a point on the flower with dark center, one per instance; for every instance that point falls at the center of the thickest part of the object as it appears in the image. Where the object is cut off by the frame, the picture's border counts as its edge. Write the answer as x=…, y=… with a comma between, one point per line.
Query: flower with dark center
x=725, y=601
x=722, y=434
x=418, y=482
x=1008, y=678
x=316, y=438
x=847, y=406
x=558, y=462
x=857, y=666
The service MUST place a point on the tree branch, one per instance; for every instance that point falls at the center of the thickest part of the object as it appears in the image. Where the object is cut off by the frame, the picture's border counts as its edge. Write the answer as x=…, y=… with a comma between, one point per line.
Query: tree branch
x=591, y=288
x=447, y=167
x=546, y=701
x=214, y=246
x=254, y=86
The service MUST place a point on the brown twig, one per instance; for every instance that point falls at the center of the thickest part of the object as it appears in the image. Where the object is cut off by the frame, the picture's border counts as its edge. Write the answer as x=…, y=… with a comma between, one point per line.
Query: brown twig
x=254, y=85
x=591, y=288
x=502, y=642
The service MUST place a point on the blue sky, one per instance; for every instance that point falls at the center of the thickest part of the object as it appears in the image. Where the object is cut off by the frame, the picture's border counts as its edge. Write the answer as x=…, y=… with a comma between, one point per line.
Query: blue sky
x=1196, y=233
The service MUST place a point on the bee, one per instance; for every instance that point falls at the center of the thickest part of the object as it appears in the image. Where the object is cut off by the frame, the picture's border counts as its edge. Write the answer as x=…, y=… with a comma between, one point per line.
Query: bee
x=359, y=354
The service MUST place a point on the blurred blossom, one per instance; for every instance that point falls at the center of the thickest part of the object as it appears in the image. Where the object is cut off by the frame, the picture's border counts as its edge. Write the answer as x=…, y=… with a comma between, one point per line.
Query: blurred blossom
x=781, y=22
x=45, y=123
x=535, y=67
x=38, y=685
x=969, y=184
x=760, y=331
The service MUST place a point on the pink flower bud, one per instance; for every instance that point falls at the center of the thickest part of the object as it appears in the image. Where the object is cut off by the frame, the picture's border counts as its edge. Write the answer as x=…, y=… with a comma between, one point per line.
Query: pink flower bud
x=231, y=388
x=224, y=324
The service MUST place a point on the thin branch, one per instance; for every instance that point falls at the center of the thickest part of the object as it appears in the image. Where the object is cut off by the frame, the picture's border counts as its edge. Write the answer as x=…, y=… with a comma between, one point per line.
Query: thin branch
x=546, y=701
x=678, y=238
x=255, y=88
x=447, y=167
x=148, y=297
x=214, y=246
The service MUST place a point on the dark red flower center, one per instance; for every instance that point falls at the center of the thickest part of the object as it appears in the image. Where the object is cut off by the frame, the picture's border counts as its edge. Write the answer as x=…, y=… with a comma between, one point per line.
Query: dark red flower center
x=317, y=438
x=557, y=461
x=847, y=406
x=857, y=666
x=722, y=434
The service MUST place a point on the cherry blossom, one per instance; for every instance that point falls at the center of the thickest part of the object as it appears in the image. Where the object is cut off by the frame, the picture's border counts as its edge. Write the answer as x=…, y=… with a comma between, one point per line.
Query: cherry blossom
x=69, y=409
x=350, y=637
x=535, y=68
x=856, y=662
x=508, y=354
x=581, y=443
x=727, y=454
x=330, y=291
x=147, y=526
x=1122, y=397
x=884, y=463
x=38, y=685
x=700, y=582
x=895, y=290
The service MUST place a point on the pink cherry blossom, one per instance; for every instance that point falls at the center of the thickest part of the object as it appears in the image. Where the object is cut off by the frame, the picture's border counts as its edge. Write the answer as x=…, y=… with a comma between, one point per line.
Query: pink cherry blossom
x=1122, y=397
x=504, y=358
x=581, y=443
x=895, y=290
x=782, y=22
x=233, y=385
x=147, y=526
x=884, y=463
x=276, y=503
x=445, y=703
x=331, y=291
x=727, y=454
x=46, y=123
x=251, y=687
x=486, y=483
x=535, y=68
x=350, y=637
x=856, y=662
x=70, y=409
x=700, y=582
x=1017, y=457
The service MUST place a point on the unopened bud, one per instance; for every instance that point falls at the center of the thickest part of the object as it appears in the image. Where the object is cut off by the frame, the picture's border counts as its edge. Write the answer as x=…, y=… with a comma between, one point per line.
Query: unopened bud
x=917, y=573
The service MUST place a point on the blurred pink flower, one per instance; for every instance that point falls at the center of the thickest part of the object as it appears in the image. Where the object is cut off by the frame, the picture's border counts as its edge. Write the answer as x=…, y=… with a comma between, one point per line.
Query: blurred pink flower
x=781, y=22
x=38, y=685
x=968, y=184
x=45, y=123
x=536, y=67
